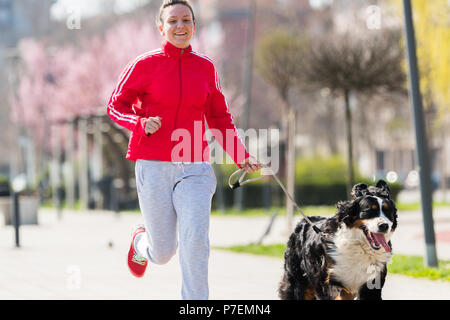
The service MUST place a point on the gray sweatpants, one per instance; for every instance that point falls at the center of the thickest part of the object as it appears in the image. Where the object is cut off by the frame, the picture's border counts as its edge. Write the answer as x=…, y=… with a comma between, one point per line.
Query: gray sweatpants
x=175, y=199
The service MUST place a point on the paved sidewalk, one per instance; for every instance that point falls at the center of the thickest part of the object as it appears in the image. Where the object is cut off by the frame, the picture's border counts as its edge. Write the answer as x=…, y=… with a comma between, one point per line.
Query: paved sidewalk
x=83, y=256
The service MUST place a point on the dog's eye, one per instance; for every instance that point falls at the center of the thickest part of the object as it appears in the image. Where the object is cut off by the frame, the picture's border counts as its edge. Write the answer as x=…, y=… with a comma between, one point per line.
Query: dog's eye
x=374, y=207
x=385, y=206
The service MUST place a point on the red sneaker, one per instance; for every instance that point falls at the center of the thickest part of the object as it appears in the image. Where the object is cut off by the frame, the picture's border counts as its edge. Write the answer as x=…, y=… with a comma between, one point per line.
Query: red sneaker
x=136, y=263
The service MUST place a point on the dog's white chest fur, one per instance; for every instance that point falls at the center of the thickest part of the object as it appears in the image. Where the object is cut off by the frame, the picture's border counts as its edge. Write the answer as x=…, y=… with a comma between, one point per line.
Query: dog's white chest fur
x=355, y=262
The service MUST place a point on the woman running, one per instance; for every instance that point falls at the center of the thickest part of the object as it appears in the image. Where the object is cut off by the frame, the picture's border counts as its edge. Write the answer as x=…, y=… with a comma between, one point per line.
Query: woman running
x=164, y=97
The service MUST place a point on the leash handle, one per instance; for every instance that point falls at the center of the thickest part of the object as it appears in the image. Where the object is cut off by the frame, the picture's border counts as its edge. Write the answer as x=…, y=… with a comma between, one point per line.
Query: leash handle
x=241, y=182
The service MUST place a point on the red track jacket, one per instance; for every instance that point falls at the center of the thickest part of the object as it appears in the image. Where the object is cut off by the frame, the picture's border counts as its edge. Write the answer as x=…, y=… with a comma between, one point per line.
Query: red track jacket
x=182, y=87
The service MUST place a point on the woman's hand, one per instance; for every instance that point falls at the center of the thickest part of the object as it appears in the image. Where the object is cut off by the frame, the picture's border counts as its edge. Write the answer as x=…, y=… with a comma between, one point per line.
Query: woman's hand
x=250, y=165
x=152, y=125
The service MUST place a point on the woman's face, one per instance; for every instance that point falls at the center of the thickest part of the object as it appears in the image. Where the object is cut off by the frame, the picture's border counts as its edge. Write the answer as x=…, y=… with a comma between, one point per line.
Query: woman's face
x=178, y=26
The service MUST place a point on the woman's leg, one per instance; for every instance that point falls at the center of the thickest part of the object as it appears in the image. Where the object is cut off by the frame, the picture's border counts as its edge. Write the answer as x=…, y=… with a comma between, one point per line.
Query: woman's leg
x=196, y=184
x=155, y=180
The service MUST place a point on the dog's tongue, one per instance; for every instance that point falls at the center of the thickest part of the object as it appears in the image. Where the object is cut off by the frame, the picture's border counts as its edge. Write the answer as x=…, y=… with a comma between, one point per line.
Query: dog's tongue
x=379, y=237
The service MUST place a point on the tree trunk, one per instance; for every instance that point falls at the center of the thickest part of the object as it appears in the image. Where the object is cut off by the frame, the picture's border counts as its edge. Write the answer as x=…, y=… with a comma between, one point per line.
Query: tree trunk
x=56, y=170
x=97, y=173
x=84, y=163
x=123, y=166
x=239, y=194
x=444, y=168
x=348, y=130
x=70, y=160
x=290, y=176
x=55, y=164
x=219, y=195
x=330, y=132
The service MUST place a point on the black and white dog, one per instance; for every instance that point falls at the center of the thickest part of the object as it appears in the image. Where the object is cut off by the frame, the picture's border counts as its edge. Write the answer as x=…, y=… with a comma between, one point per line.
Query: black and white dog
x=348, y=259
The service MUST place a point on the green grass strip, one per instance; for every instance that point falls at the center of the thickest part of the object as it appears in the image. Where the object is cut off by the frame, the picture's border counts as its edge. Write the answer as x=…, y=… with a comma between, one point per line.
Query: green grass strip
x=414, y=266
x=323, y=210
x=272, y=250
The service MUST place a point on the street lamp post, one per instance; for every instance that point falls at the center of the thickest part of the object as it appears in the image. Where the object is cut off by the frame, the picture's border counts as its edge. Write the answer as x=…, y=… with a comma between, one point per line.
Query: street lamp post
x=247, y=87
x=422, y=153
x=16, y=217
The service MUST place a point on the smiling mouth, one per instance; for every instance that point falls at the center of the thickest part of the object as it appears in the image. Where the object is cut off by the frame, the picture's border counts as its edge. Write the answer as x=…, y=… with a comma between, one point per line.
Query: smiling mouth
x=376, y=240
x=181, y=34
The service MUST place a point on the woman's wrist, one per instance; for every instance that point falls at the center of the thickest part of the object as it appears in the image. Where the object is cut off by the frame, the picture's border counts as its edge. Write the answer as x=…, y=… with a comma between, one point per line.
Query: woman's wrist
x=250, y=164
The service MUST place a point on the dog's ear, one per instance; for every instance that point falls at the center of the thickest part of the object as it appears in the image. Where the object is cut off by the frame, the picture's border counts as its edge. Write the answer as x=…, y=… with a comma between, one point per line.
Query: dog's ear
x=359, y=190
x=381, y=184
x=348, y=211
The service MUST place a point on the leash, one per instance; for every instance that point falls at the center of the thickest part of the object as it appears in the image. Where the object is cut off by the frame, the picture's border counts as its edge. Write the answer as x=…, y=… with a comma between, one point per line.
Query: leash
x=240, y=182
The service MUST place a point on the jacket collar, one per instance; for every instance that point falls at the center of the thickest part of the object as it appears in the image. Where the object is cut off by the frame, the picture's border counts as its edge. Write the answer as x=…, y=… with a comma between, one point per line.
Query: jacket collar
x=171, y=51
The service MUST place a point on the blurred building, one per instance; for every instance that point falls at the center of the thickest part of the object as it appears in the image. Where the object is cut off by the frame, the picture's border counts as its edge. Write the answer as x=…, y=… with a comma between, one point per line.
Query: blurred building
x=23, y=18
x=18, y=19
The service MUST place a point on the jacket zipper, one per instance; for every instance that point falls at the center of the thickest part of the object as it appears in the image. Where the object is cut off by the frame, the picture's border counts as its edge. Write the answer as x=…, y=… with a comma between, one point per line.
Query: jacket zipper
x=179, y=100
